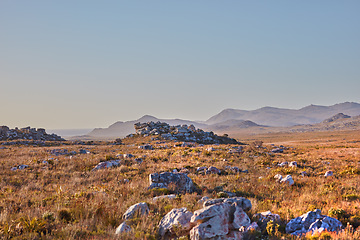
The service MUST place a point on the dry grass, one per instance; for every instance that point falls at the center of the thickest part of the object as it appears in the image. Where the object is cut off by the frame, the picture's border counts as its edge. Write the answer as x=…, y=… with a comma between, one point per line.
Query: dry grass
x=64, y=199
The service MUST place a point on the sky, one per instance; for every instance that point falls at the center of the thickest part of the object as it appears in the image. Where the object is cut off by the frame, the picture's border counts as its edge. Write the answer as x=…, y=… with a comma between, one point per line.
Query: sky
x=86, y=63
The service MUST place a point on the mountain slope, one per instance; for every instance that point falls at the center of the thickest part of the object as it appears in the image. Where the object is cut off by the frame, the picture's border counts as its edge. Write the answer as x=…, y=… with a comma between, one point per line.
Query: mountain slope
x=281, y=117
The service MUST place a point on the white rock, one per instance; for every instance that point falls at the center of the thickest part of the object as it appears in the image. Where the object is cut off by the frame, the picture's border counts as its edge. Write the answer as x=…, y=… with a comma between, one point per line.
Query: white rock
x=329, y=174
x=288, y=179
x=139, y=208
x=122, y=228
x=178, y=218
x=171, y=196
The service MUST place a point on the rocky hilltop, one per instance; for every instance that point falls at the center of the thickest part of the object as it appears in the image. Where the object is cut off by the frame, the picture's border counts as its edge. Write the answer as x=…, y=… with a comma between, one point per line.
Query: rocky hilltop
x=27, y=133
x=181, y=133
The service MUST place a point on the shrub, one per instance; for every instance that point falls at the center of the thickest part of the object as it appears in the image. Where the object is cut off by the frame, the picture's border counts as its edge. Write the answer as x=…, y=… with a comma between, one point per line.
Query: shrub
x=64, y=215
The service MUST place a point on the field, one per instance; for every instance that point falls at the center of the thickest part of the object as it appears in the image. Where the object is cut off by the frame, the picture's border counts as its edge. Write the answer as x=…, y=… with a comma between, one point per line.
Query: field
x=63, y=199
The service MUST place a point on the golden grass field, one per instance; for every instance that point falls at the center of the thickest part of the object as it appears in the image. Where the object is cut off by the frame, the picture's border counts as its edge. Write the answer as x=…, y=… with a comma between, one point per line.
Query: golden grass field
x=64, y=199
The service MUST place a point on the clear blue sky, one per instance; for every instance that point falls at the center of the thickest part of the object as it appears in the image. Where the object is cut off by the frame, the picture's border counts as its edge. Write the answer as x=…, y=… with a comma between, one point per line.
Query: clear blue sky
x=84, y=64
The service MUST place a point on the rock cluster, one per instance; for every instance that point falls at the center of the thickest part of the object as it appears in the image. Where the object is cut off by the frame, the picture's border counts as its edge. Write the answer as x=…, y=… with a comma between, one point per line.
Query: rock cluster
x=223, y=218
x=27, y=134
x=312, y=221
x=180, y=180
x=181, y=133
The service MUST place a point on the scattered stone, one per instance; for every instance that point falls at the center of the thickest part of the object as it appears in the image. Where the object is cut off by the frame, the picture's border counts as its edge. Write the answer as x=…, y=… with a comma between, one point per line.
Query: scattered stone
x=171, y=196
x=303, y=173
x=139, y=208
x=311, y=221
x=146, y=147
x=283, y=164
x=288, y=179
x=277, y=150
x=122, y=228
x=58, y=152
x=126, y=156
x=213, y=170
x=20, y=167
x=182, y=182
x=107, y=164
x=278, y=177
x=138, y=160
x=293, y=164
x=329, y=174
x=200, y=169
x=83, y=151
x=175, y=223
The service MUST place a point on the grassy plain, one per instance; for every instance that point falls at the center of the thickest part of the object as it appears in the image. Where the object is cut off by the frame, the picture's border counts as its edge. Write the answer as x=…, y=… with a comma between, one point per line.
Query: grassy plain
x=64, y=199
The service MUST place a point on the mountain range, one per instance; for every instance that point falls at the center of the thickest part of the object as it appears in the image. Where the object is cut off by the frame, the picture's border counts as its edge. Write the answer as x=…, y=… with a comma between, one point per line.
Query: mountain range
x=266, y=119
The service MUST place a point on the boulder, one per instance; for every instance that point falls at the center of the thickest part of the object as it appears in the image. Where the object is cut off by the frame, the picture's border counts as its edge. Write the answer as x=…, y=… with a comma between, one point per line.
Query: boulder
x=122, y=228
x=288, y=179
x=264, y=217
x=107, y=164
x=182, y=182
x=139, y=208
x=174, y=222
x=242, y=202
x=210, y=222
x=293, y=164
x=312, y=221
x=213, y=170
x=328, y=174
x=221, y=219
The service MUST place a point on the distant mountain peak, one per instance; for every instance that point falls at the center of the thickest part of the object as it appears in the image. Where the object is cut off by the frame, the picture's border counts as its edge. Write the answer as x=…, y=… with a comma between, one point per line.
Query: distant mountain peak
x=336, y=117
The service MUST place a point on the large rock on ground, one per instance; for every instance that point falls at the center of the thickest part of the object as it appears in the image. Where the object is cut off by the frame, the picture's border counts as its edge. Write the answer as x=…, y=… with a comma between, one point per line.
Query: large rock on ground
x=242, y=202
x=220, y=219
x=122, y=228
x=312, y=221
x=264, y=217
x=139, y=208
x=175, y=222
x=182, y=182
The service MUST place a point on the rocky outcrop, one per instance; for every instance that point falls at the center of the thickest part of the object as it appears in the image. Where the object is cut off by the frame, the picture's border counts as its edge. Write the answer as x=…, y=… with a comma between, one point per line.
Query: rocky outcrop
x=176, y=222
x=182, y=182
x=312, y=221
x=181, y=133
x=27, y=133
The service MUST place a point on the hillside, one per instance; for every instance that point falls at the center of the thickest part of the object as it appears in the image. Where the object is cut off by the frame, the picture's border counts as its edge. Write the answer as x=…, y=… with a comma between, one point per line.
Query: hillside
x=281, y=117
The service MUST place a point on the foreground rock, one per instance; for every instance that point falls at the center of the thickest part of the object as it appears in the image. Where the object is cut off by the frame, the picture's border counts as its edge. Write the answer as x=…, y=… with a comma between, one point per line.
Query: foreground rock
x=136, y=209
x=122, y=228
x=312, y=221
x=264, y=217
x=27, y=133
x=221, y=219
x=180, y=180
x=175, y=223
x=181, y=133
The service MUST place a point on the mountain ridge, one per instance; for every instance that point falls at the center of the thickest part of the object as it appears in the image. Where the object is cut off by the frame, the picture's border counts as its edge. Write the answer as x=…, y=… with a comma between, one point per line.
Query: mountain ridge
x=234, y=120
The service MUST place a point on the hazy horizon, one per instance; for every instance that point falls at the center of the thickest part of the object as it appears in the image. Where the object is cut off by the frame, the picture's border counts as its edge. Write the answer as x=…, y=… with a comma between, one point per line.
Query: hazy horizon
x=88, y=64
